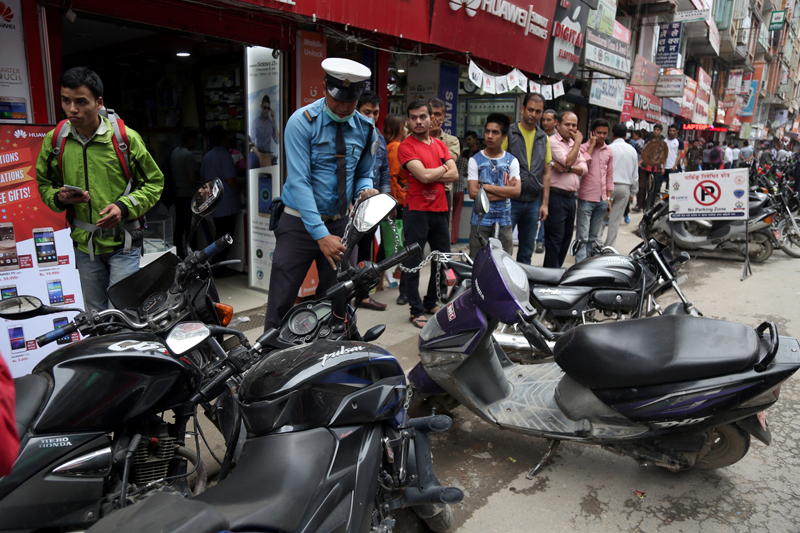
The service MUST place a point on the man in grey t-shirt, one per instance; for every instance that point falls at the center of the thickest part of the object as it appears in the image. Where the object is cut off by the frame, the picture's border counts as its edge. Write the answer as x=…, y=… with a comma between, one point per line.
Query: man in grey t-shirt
x=184, y=180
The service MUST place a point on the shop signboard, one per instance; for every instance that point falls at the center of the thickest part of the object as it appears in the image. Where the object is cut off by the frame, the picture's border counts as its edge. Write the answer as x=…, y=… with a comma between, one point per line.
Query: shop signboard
x=475, y=26
x=311, y=50
x=36, y=254
x=709, y=194
x=603, y=18
x=607, y=92
x=640, y=105
x=744, y=133
x=714, y=38
x=567, y=40
x=776, y=20
x=691, y=16
x=670, y=85
x=701, y=101
x=752, y=98
x=263, y=79
x=621, y=33
x=399, y=18
x=15, y=91
x=687, y=103
x=606, y=54
x=645, y=73
x=735, y=80
x=669, y=44
x=448, y=93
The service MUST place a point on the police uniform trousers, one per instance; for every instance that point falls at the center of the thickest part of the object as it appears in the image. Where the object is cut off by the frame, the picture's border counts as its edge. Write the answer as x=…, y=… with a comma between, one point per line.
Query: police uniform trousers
x=295, y=251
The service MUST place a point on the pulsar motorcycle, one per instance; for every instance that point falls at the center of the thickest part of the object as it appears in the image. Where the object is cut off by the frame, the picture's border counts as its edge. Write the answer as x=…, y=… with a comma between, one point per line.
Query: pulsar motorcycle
x=95, y=442
x=786, y=227
x=604, y=287
x=672, y=391
x=719, y=238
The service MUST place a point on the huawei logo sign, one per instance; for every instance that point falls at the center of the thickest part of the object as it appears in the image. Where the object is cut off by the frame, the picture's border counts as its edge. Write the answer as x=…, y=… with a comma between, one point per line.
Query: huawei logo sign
x=470, y=6
x=20, y=133
x=6, y=13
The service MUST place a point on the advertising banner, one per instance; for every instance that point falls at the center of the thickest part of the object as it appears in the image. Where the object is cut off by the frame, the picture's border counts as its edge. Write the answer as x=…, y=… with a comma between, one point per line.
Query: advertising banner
x=263, y=80
x=670, y=85
x=712, y=194
x=776, y=20
x=15, y=92
x=640, y=105
x=311, y=47
x=607, y=92
x=567, y=41
x=702, y=98
x=752, y=97
x=606, y=54
x=36, y=254
x=448, y=93
x=687, y=104
x=669, y=44
x=645, y=73
x=476, y=25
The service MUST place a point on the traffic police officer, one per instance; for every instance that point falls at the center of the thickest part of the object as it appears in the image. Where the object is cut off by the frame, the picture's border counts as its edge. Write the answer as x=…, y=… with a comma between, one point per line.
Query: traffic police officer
x=320, y=184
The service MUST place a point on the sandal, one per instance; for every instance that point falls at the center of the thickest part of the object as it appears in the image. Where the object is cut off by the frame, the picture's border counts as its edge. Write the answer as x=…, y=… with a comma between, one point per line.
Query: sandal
x=418, y=321
x=432, y=311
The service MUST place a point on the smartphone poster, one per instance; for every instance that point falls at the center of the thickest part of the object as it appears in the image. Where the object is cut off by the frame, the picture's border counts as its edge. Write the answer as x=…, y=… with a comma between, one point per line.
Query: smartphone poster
x=264, y=117
x=36, y=253
x=15, y=90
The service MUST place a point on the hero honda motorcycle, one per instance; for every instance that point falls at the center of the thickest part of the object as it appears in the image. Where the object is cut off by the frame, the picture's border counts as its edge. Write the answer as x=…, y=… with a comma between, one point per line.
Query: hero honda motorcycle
x=604, y=287
x=85, y=454
x=673, y=391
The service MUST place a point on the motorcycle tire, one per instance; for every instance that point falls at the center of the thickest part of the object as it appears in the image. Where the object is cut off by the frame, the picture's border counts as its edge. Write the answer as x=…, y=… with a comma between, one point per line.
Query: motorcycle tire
x=790, y=243
x=731, y=444
x=441, y=522
x=766, y=247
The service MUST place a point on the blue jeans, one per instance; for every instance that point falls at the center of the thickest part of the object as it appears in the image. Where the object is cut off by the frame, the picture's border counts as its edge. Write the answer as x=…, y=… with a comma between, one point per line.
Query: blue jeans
x=525, y=215
x=106, y=269
x=590, y=226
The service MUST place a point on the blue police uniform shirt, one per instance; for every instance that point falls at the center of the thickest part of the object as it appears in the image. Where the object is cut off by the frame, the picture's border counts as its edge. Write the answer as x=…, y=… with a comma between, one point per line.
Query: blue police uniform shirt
x=218, y=163
x=310, y=145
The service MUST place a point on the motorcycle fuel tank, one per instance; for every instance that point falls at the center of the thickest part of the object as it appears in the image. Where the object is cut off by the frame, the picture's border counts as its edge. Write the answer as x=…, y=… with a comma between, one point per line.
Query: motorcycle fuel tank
x=328, y=383
x=102, y=382
x=606, y=270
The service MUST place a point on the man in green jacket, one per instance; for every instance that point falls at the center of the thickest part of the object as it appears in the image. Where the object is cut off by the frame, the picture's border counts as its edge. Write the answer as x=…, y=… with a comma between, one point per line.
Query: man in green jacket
x=107, y=239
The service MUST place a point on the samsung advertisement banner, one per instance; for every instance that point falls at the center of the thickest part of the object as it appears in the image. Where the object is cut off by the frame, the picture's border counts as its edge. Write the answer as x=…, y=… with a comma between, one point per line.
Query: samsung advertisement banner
x=263, y=115
x=36, y=254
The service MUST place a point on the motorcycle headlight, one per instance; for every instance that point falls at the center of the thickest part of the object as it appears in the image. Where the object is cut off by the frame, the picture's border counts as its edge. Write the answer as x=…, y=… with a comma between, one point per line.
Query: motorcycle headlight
x=515, y=273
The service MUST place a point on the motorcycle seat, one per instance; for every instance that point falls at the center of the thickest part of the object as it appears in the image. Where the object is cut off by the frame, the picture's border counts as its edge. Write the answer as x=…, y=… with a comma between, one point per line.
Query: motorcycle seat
x=461, y=270
x=652, y=351
x=32, y=392
x=543, y=276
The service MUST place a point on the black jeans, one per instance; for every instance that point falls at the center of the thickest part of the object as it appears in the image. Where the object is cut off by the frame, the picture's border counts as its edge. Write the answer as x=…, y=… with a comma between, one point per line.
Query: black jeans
x=558, y=227
x=424, y=227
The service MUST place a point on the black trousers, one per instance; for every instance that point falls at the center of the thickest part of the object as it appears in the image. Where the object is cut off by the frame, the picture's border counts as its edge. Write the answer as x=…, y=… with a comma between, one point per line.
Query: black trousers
x=295, y=250
x=558, y=228
x=424, y=227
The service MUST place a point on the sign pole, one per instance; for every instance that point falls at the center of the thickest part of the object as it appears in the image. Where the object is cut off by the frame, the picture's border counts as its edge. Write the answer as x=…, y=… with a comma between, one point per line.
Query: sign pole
x=747, y=272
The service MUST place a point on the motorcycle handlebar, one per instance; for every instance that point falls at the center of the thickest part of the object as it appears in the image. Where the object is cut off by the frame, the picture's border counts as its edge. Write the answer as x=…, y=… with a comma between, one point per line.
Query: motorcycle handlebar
x=214, y=248
x=57, y=333
x=399, y=257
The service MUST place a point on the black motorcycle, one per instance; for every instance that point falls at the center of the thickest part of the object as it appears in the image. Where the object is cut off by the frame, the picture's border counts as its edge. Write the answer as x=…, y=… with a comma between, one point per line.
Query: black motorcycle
x=326, y=425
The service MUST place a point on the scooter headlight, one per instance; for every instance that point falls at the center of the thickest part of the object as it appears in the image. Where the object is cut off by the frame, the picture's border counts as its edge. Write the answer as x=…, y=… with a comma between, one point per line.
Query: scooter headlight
x=515, y=273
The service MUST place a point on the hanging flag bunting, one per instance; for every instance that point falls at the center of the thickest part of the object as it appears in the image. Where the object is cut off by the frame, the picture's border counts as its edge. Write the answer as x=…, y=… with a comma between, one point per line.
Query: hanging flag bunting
x=489, y=84
x=536, y=88
x=501, y=84
x=547, y=92
x=558, y=89
x=475, y=74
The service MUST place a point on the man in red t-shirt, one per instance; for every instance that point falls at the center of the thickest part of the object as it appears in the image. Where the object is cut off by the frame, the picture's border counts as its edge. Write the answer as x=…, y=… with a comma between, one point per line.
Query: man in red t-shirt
x=428, y=165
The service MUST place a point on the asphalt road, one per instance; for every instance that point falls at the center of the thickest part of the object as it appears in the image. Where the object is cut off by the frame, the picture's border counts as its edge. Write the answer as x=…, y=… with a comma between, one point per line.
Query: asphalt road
x=588, y=489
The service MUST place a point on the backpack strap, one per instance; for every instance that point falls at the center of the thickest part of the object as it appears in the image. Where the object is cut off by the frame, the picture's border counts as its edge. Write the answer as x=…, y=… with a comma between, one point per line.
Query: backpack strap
x=60, y=134
x=121, y=145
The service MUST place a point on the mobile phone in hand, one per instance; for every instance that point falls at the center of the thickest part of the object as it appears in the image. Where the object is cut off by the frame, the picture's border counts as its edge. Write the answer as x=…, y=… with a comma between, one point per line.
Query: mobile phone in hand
x=76, y=191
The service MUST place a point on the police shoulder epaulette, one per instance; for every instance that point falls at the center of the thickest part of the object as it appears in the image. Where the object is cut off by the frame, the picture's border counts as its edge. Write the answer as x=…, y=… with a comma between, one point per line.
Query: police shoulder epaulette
x=308, y=116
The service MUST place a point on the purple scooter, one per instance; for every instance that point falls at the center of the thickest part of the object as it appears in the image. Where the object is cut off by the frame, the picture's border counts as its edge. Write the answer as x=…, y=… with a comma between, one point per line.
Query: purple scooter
x=672, y=391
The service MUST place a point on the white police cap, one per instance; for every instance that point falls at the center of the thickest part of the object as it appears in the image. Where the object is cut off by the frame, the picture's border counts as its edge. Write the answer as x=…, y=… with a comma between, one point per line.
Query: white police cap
x=345, y=78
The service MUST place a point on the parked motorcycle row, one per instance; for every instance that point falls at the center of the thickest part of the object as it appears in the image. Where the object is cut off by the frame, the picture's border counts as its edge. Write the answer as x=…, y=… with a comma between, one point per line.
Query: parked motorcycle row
x=317, y=420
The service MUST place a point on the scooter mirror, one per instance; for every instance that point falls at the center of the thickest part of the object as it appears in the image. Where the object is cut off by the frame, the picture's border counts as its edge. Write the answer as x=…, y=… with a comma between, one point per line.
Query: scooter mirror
x=372, y=212
x=22, y=307
x=481, y=206
x=208, y=197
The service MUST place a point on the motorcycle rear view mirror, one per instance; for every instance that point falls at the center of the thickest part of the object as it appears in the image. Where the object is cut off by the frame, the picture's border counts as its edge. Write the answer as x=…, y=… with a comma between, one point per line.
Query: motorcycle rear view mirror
x=372, y=212
x=186, y=336
x=208, y=197
x=481, y=206
x=24, y=307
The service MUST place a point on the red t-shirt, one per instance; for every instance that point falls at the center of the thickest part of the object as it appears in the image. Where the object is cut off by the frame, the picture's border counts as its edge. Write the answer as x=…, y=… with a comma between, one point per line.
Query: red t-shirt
x=424, y=196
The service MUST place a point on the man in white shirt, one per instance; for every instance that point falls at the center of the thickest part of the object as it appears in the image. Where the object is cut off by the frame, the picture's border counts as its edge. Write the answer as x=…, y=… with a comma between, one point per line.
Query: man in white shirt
x=727, y=157
x=626, y=180
x=736, y=153
x=674, y=157
x=783, y=154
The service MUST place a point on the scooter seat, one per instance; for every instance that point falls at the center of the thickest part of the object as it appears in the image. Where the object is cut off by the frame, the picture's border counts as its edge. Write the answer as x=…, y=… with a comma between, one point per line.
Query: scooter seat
x=31, y=391
x=460, y=269
x=543, y=276
x=656, y=350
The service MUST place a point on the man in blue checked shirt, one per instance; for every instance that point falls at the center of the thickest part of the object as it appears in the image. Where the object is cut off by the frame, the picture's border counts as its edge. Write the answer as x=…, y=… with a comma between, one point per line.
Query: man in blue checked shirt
x=319, y=188
x=498, y=172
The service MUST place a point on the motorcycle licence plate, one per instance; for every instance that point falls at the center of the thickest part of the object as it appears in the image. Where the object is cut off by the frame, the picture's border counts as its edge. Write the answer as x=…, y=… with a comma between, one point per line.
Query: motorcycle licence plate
x=762, y=419
x=777, y=234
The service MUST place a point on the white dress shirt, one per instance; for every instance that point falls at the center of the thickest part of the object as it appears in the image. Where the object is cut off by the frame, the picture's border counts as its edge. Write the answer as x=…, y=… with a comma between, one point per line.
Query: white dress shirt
x=626, y=164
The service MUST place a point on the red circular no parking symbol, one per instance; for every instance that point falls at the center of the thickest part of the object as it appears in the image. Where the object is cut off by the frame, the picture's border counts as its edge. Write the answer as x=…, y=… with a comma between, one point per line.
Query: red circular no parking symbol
x=706, y=193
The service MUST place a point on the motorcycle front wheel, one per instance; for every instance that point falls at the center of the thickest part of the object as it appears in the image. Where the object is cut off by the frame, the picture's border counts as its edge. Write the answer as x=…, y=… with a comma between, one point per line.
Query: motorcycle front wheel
x=790, y=239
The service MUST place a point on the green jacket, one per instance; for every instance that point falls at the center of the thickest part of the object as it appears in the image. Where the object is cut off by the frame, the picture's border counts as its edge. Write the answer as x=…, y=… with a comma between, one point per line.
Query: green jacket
x=96, y=168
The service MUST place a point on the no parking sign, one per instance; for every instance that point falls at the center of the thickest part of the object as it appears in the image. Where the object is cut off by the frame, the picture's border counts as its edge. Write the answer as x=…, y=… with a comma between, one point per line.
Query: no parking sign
x=714, y=194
